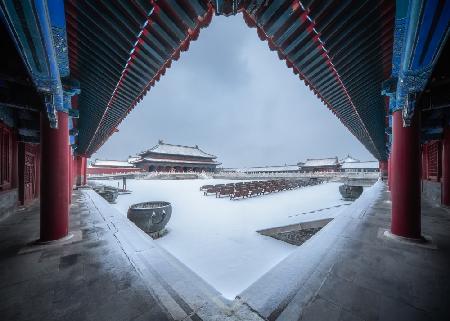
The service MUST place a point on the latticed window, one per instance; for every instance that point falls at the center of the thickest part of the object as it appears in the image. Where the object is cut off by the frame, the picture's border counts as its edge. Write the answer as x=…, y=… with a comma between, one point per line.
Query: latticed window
x=433, y=159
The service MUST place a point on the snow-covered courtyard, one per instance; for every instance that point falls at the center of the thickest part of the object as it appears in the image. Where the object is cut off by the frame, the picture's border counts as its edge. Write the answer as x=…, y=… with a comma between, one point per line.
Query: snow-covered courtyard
x=217, y=238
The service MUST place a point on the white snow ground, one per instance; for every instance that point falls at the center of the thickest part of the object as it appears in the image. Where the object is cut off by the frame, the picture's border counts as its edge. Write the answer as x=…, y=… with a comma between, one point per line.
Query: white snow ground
x=217, y=238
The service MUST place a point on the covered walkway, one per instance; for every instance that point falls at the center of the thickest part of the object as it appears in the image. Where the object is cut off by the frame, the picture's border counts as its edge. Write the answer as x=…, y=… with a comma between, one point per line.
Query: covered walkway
x=54, y=115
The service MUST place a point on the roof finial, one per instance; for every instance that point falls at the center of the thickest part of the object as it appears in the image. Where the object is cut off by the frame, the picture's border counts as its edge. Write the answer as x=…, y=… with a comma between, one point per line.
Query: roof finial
x=196, y=146
x=160, y=142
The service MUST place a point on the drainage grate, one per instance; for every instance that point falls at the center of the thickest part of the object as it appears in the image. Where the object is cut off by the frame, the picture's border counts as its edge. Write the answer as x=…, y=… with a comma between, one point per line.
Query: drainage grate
x=295, y=234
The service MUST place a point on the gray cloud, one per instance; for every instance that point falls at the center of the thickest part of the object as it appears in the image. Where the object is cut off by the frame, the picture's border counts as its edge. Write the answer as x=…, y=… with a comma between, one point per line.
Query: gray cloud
x=233, y=97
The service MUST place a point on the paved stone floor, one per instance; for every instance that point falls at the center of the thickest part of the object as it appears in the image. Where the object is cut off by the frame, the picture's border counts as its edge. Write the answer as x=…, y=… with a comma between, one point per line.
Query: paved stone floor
x=112, y=271
x=111, y=275
x=90, y=279
x=369, y=277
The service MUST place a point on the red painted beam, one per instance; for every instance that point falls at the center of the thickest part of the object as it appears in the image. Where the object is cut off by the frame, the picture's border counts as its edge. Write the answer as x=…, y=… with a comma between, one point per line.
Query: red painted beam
x=54, y=178
x=405, y=178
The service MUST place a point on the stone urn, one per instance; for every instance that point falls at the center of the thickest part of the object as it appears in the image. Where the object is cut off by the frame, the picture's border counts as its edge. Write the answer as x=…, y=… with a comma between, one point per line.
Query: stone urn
x=107, y=192
x=151, y=217
x=350, y=192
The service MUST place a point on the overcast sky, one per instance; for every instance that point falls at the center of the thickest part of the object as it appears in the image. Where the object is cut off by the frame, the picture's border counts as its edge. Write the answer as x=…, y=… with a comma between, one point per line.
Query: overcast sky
x=234, y=98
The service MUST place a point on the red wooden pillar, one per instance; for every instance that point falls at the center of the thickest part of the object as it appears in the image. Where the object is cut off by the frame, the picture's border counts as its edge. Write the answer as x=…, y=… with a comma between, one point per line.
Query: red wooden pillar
x=389, y=172
x=37, y=190
x=424, y=162
x=54, y=178
x=405, y=188
x=383, y=166
x=21, y=172
x=445, y=181
x=84, y=170
x=14, y=161
x=79, y=170
x=70, y=182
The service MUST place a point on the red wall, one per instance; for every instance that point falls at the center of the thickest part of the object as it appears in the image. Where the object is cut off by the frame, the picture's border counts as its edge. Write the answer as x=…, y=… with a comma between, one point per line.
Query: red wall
x=111, y=170
x=29, y=172
x=19, y=165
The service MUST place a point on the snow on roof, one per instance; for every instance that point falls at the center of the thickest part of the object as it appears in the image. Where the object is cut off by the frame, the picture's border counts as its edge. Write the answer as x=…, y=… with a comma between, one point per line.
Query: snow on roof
x=349, y=159
x=321, y=162
x=132, y=159
x=359, y=165
x=110, y=163
x=169, y=149
x=281, y=168
x=177, y=161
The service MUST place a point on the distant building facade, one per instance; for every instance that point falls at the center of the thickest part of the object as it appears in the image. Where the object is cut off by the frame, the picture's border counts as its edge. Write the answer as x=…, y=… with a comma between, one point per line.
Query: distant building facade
x=105, y=167
x=360, y=167
x=320, y=165
x=175, y=158
x=263, y=169
x=352, y=165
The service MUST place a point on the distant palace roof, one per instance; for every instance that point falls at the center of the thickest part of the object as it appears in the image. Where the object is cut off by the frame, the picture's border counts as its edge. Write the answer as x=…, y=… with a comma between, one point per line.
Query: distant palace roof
x=349, y=159
x=321, y=162
x=177, y=161
x=169, y=149
x=132, y=159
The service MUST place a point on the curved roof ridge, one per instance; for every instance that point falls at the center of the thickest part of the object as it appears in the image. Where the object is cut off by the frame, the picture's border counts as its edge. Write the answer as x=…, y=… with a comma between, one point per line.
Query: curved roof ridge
x=173, y=149
x=321, y=158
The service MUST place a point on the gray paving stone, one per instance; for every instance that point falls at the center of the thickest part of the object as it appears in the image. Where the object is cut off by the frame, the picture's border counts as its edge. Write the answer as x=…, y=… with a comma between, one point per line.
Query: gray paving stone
x=394, y=310
x=320, y=309
x=86, y=280
x=348, y=316
x=351, y=297
x=376, y=279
